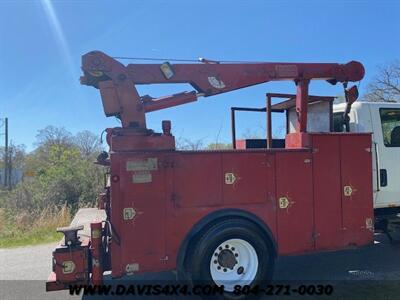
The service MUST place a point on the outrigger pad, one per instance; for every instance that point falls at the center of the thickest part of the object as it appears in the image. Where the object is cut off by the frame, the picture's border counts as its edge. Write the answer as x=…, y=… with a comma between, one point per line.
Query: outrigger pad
x=71, y=235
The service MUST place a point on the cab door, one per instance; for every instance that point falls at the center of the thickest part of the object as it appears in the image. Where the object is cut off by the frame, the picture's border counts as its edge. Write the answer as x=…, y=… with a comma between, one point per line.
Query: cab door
x=386, y=135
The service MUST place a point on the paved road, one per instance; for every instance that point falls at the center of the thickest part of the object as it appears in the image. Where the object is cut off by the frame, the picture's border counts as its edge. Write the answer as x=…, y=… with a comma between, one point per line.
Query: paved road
x=23, y=271
x=34, y=262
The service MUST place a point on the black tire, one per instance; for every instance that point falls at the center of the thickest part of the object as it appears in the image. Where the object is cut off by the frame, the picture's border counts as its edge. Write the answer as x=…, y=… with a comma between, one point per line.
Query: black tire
x=201, y=251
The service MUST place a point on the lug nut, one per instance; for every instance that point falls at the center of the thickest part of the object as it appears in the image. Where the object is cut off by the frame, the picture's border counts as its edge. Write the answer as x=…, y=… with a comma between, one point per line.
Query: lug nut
x=220, y=248
x=219, y=268
x=236, y=255
x=240, y=270
x=225, y=270
x=215, y=261
x=226, y=246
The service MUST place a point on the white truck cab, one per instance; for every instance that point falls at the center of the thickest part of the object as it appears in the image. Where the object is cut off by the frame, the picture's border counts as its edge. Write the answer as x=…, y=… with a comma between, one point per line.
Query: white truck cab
x=383, y=120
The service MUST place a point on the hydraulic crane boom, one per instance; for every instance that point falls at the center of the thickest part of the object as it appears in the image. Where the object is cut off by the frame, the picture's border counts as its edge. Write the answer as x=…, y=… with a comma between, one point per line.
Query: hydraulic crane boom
x=120, y=97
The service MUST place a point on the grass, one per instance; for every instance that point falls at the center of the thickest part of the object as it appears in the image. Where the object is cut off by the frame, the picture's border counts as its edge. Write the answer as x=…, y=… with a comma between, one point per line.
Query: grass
x=23, y=229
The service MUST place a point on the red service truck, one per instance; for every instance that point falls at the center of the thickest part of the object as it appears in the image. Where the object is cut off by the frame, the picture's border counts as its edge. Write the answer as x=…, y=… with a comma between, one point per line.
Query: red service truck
x=222, y=216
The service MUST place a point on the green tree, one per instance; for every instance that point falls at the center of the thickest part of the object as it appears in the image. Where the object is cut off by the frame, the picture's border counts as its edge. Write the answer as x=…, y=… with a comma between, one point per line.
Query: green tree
x=61, y=172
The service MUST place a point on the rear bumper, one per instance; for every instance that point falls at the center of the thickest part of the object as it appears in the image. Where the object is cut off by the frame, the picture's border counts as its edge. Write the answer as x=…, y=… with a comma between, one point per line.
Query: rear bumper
x=71, y=265
x=78, y=264
x=53, y=285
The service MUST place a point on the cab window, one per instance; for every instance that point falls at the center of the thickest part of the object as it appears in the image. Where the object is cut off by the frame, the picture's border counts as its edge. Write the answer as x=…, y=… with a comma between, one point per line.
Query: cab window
x=390, y=119
x=338, y=122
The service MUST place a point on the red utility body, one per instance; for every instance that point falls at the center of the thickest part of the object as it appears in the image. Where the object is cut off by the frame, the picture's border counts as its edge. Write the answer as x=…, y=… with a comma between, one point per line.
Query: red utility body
x=314, y=194
x=187, y=186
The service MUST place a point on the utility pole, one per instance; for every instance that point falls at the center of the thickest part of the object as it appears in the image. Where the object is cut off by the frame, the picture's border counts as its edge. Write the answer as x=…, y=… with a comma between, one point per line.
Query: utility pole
x=9, y=166
x=6, y=159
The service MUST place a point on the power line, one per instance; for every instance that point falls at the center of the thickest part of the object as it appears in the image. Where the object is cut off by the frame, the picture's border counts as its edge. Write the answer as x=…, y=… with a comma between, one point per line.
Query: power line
x=199, y=60
x=156, y=59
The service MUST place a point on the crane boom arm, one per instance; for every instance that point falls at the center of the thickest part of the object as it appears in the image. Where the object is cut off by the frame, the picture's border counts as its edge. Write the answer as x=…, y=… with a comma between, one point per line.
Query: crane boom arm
x=120, y=97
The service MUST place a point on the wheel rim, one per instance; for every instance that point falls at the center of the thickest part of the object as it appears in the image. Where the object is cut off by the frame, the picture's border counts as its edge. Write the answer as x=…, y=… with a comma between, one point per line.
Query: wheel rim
x=234, y=262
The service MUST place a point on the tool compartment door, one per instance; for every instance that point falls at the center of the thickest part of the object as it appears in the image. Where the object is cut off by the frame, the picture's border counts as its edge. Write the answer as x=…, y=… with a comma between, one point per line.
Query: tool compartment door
x=247, y=178
x=327, y=191
x=357, y=194
x=141, y=210
x=294, y=201
x=197, y=179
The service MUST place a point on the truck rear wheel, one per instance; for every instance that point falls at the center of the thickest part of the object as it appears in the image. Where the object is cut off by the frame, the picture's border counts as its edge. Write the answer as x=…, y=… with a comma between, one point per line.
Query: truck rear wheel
x=232, y=253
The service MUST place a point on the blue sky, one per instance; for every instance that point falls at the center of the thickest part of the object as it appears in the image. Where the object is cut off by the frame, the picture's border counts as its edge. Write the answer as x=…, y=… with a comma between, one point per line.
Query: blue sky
x=41, y=45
